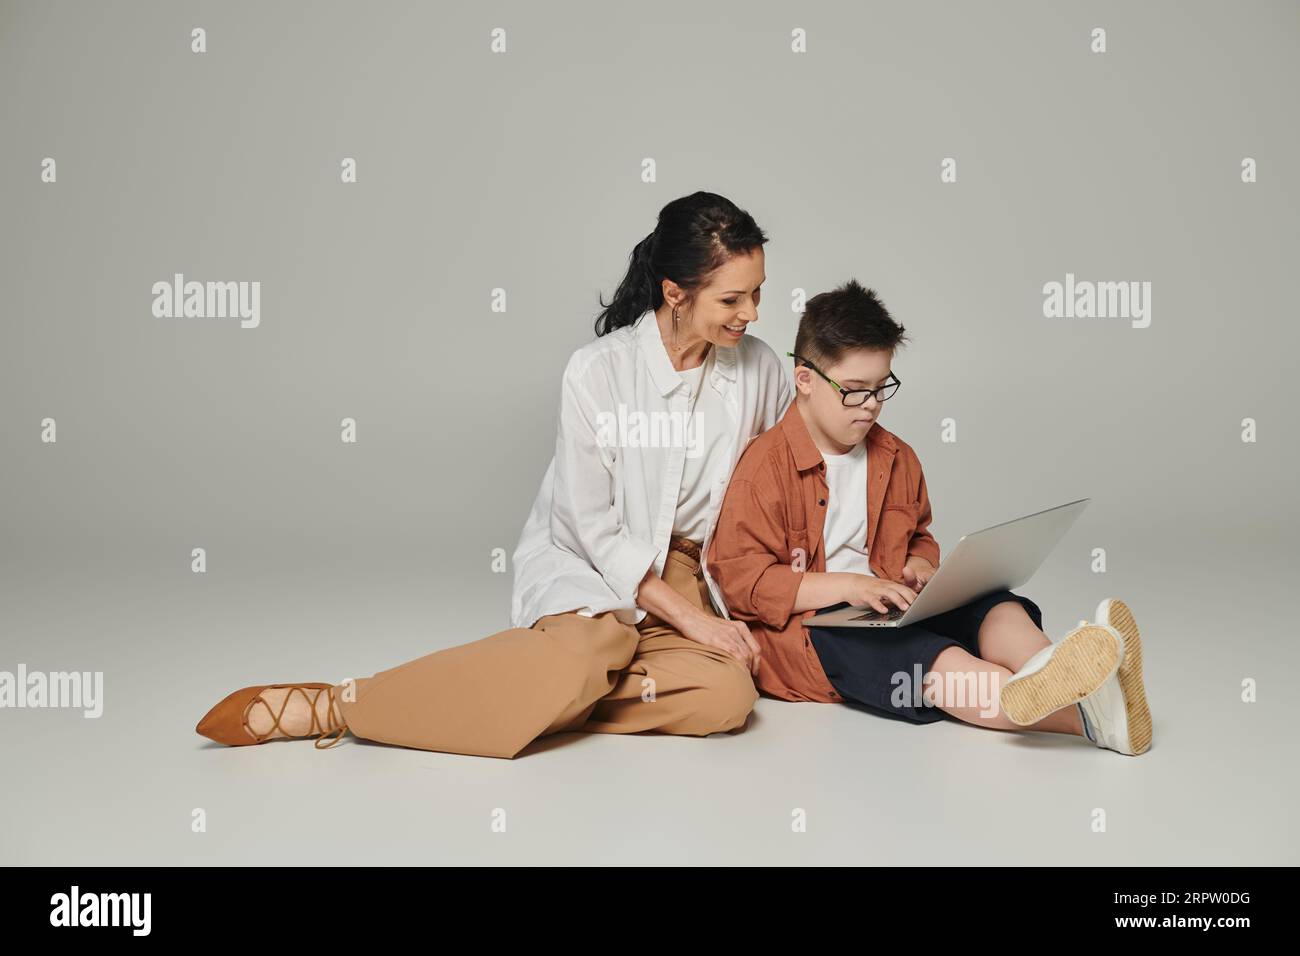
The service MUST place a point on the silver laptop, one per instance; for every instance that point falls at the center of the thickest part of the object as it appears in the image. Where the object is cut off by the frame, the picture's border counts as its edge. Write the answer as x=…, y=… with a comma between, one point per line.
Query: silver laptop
x=1004, y=556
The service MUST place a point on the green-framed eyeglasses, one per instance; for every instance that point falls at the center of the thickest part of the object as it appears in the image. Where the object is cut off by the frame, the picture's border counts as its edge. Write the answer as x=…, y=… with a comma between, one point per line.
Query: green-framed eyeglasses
x=852, y=397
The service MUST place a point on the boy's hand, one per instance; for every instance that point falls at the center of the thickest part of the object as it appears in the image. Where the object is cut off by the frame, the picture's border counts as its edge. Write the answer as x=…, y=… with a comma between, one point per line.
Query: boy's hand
x=916, y=578
x=874, y=592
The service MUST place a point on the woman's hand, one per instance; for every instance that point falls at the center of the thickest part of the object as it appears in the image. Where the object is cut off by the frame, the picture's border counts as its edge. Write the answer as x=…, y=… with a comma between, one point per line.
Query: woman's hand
x=657, y=596
x=730, y=636
x=863, y=589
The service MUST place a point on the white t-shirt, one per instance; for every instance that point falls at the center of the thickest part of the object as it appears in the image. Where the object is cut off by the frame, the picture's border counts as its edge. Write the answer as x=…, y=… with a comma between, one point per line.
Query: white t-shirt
x=706, y=451
x=845, y=534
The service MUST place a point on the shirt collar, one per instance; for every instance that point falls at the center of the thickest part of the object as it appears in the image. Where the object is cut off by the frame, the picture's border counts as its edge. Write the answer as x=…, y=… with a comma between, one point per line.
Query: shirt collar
x=806, y=453
x=662, y=372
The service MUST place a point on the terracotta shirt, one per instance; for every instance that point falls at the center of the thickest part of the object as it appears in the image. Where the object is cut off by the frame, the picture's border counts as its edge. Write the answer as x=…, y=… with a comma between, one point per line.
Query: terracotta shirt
x=773, y=516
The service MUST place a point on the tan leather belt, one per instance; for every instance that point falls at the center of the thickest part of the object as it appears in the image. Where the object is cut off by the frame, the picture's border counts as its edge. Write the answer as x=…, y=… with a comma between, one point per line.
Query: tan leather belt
x=686, y=546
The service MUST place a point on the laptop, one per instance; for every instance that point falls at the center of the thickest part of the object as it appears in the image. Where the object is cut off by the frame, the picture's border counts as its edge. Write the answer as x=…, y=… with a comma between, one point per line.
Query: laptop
x=1003, y=556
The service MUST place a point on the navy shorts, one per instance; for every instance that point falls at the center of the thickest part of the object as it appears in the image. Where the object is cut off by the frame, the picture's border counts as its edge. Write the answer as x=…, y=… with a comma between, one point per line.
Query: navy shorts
x=862, y=662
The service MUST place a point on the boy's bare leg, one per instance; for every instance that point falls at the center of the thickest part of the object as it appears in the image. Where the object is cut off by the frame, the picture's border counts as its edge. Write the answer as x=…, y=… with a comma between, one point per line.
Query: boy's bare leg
x=1008, y=636
x=967, y=687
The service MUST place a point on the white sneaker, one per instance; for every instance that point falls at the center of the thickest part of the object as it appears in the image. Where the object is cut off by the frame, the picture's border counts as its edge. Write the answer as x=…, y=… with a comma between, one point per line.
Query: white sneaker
x=1116, y=716
x=1061, y=674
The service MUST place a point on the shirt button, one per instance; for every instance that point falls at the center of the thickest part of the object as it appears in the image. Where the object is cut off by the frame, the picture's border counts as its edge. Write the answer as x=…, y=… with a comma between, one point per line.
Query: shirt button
x=821, y=501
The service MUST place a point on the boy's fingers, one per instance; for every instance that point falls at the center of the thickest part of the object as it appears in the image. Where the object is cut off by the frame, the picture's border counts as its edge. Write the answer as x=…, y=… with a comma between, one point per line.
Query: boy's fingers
x=904, y=593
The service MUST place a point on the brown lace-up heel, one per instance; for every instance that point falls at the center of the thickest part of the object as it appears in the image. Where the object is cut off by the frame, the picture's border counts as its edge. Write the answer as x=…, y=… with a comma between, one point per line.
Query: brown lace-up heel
x=227, y=722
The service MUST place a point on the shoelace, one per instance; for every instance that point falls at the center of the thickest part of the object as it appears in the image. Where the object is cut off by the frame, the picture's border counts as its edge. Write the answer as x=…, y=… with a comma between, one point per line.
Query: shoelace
x=316, y=728
x=343, y=724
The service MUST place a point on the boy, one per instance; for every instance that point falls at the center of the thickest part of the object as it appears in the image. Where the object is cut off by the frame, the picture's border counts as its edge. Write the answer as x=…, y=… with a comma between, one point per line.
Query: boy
x=828, y=508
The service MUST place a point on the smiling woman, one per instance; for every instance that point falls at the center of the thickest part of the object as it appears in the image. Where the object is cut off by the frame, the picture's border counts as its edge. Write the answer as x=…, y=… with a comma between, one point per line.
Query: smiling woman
x=618, y=627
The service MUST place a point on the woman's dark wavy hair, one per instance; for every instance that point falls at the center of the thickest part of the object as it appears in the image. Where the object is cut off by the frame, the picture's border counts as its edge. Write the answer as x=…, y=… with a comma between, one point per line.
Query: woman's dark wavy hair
x=695, y=235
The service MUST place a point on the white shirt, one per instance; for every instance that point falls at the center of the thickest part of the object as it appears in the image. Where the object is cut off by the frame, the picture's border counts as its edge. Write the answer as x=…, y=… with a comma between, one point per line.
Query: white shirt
x=608, y=501
x=708, y=444
x=845, y=532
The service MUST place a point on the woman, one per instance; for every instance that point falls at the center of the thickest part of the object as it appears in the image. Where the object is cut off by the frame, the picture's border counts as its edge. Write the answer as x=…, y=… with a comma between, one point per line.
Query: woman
x=614, y=627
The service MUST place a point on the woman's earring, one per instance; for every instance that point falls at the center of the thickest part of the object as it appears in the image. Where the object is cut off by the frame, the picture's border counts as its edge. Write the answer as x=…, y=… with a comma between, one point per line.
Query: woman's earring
x=675, y=345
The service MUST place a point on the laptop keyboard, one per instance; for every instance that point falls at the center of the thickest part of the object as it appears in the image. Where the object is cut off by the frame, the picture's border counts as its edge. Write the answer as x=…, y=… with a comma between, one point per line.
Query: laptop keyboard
x=894, y=614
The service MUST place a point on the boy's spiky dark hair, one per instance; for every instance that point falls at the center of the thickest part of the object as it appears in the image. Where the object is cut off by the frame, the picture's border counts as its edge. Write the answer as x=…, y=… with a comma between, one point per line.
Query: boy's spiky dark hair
x=850, y=317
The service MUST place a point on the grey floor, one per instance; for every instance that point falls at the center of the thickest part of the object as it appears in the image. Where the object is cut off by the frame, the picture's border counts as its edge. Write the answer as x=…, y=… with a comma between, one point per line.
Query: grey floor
x=1217, y=787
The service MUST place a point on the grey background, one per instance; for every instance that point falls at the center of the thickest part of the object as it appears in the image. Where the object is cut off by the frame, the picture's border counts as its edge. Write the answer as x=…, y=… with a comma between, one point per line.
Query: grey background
x=522, y=171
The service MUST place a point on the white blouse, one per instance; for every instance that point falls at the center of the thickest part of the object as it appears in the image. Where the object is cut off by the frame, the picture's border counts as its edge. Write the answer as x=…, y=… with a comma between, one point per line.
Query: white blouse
x=605, y=511
x=707, y=450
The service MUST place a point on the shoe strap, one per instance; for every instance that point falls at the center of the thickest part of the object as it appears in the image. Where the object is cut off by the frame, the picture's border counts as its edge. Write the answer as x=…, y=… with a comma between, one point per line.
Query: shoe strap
x=343, y=724
x=316, y=729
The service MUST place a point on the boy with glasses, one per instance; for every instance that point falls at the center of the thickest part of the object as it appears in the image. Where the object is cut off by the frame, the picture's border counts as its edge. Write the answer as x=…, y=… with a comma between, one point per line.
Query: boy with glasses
x=829, y=509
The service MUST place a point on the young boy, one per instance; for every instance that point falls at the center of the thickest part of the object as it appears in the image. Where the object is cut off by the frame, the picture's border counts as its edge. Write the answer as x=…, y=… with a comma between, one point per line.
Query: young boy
x=828, y=508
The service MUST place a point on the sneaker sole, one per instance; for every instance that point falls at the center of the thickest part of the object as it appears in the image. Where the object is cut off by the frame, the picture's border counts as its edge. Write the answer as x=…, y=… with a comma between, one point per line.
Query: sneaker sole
x=1083, y=661
x=1118, y=615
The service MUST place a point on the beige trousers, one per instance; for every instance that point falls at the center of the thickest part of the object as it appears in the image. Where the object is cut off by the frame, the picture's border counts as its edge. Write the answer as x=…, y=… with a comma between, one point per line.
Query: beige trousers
x=567, y=672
